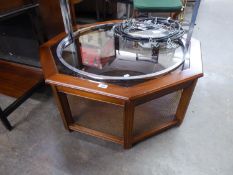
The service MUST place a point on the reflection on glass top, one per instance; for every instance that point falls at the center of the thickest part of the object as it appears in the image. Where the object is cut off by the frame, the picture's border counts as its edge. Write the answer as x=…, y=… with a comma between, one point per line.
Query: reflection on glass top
x=99, y=54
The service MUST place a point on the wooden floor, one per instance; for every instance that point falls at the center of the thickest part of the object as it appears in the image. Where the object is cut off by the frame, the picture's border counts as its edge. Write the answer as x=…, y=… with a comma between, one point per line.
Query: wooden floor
x=16, y=79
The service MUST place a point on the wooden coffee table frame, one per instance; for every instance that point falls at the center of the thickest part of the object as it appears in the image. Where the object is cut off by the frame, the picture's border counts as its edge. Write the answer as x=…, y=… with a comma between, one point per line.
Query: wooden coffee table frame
x=126, y=97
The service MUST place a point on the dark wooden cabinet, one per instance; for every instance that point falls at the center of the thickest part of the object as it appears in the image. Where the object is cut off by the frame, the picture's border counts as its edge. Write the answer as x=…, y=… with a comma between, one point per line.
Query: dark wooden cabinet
x=20, y=38
x=51, y=16
x=7, y=5
x=97, y=10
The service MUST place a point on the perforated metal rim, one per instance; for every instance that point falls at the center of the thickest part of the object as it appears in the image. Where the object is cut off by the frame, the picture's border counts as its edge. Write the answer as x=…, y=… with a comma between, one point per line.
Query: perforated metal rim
x=120, y=30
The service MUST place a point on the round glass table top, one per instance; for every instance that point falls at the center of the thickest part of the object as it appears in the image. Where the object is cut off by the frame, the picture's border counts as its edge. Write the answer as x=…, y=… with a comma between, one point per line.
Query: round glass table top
x=98, y=53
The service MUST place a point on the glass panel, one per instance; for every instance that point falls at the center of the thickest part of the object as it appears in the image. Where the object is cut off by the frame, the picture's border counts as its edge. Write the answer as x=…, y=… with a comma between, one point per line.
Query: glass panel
x=106, y=56
x=136, y=49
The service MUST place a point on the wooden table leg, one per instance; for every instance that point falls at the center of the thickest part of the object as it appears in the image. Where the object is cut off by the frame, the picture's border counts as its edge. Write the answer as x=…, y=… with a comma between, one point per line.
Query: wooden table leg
x=64, y=107
x=128, y=124
x=4, y=120
x=184, y=102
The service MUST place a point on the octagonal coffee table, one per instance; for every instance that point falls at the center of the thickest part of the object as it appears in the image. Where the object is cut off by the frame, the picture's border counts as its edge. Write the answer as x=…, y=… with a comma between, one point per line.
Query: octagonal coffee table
x=102, y=55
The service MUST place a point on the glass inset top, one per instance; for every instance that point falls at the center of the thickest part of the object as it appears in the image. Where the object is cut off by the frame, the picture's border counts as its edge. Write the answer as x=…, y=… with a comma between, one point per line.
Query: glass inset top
x=98, y=53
